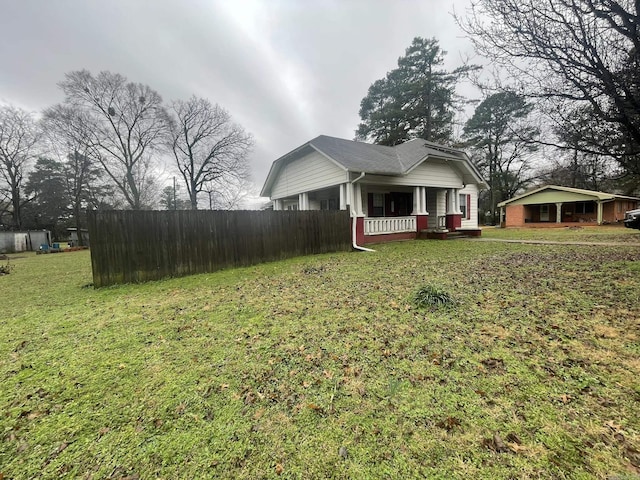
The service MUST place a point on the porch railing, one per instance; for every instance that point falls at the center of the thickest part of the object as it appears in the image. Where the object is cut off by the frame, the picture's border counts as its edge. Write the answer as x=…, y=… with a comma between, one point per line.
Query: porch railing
x=384, y=225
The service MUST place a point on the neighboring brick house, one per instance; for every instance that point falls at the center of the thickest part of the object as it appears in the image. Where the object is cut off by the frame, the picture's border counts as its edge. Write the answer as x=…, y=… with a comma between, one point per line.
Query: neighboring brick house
x=553, y=205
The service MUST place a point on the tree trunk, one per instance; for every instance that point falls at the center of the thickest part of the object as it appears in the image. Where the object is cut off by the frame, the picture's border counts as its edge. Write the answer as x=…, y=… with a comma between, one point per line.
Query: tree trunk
x=15, y=203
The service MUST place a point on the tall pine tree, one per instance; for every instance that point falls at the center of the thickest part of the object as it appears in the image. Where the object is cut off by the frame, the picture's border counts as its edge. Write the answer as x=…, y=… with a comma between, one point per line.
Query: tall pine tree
x=415, y=100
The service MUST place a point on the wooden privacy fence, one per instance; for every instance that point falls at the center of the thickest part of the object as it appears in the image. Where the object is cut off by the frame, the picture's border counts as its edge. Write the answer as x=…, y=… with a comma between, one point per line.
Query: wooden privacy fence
x=137, y=246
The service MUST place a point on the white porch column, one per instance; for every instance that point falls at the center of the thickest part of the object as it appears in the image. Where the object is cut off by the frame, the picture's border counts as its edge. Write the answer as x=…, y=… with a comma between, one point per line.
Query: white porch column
x=423, y=201
x=277, y=204
x=357, y=199
x=559, y=212
x=303, y=201
x=417, y=201
x=348, y=188
x=599, y=213
x=451, y=201
x=343, y=196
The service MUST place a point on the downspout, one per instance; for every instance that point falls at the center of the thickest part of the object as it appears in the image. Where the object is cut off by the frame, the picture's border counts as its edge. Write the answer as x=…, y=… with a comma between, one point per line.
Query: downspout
x=354, y=221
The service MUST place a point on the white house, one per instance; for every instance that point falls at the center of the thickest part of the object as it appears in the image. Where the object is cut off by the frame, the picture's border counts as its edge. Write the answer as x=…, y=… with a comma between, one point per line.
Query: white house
x=392, y=192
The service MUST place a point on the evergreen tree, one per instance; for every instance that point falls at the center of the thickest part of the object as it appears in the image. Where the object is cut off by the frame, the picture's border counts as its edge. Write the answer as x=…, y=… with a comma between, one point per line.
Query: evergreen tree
x=49, y=203
x=415, y=100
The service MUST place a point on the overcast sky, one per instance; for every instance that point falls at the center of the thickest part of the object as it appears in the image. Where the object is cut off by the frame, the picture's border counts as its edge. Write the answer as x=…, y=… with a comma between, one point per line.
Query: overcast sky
x=286, y=70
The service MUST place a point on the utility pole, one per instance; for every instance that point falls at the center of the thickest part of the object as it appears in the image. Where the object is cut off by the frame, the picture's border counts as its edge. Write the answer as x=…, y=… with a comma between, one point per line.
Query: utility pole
x=175, y=203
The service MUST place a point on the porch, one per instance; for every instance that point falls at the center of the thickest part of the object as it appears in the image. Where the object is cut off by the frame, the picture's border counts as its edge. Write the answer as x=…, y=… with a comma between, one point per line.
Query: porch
x=391, y=212
x=557, y=214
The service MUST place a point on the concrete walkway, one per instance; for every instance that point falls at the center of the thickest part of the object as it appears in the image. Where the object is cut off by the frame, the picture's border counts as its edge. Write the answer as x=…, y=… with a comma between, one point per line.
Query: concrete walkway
x=553, y=242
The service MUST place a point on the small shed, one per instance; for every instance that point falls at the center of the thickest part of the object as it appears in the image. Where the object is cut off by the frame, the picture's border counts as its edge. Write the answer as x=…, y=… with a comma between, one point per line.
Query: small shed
x=11, y=242
x=73, y=236
x=553, y=205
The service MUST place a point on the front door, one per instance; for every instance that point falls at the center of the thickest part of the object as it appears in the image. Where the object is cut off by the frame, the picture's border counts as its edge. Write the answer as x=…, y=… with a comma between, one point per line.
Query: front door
x=402, y=204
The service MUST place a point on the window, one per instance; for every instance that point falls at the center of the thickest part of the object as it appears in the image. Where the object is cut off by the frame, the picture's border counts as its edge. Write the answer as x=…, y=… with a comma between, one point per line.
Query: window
x=585, y=207
x=377, y=205
x=465, y=205
x=292, y=207
x=329, y=204
x=544, y=213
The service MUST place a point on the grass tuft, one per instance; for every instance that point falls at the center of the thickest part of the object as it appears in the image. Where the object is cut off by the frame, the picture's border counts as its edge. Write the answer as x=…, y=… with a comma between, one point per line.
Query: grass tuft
x=430, y=296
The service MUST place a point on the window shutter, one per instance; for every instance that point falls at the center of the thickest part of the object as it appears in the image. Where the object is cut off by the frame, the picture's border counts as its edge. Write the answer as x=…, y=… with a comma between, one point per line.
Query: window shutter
x=468, y=207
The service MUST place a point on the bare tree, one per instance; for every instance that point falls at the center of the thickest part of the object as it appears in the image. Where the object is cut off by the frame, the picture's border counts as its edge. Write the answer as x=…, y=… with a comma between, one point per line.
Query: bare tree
x=502, y=136
x=576, y=165
x=569, y=53
x=207, y=146
x=229, y=192
x=18, y=138
x=126, y=123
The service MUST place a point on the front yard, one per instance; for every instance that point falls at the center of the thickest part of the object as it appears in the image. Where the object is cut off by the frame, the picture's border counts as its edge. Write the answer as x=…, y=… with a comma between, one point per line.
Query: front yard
x=323, y=367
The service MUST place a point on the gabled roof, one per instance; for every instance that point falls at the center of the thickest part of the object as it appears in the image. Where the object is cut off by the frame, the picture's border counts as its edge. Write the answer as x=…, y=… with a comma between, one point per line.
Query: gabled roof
x=360, y=157
x=597, y=196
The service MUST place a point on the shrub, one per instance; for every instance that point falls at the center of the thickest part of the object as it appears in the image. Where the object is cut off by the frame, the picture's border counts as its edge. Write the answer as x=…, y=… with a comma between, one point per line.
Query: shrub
x=6, y=269
x=430, y=296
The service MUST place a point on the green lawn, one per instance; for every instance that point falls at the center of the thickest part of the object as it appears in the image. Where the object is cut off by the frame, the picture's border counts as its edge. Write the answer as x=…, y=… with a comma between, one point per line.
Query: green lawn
x=322, y=367
x=609, y=233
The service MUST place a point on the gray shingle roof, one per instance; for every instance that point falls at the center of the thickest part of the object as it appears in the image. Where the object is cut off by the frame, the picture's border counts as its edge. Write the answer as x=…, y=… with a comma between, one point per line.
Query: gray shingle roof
x=358, y=157
x=380, y=159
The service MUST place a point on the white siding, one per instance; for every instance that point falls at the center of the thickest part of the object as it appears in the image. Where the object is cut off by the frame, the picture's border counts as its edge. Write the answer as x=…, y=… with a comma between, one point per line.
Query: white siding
x=436, y=204
x=473, y=220
x=309, y=173
x=435, y=173
x=431, y=173
x=432, y=204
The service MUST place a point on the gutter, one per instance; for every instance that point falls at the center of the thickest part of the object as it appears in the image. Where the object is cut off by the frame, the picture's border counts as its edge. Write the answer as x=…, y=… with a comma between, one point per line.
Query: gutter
x=353, y=215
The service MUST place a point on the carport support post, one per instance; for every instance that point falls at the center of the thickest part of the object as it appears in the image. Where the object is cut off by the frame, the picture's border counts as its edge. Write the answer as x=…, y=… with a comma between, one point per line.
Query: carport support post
x=599, y=213
x=558, y=212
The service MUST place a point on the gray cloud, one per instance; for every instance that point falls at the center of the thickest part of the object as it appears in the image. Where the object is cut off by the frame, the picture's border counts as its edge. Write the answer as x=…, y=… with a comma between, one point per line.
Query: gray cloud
x=287, y=70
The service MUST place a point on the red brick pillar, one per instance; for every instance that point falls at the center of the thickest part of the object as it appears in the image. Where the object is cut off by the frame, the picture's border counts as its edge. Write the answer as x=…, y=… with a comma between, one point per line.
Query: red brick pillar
x=454, y=221
x=422, y=222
